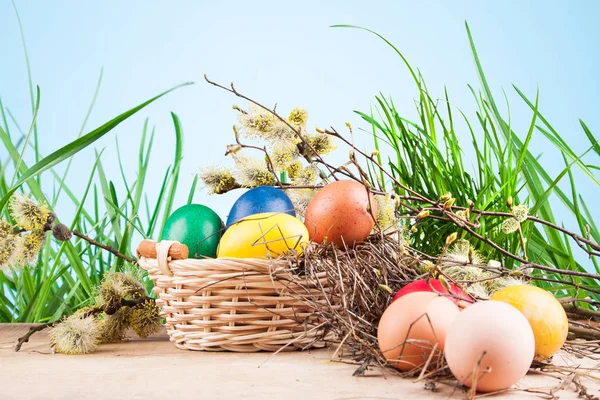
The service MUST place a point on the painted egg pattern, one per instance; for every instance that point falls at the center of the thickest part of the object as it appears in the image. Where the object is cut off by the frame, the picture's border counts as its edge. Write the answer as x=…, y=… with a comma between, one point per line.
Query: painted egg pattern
x=265, y=235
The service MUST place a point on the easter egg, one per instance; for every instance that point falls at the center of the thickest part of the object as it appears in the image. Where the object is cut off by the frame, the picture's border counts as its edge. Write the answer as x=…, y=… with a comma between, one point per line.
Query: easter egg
x=260, y=200
x=339, y=213
x=545, y=314
x=414, y=327
x=264, y=235
x=434, y=285
x=196, y=226
x=491, y=342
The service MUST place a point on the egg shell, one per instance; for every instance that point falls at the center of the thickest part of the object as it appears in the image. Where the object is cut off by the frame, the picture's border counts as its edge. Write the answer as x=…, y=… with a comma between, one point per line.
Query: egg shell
x=264, y=235
x=499, y=330
x=434, y=285
x=260, y=200
x=546, y=316
x=405, y=321
x=196, y=226
x=338, y=213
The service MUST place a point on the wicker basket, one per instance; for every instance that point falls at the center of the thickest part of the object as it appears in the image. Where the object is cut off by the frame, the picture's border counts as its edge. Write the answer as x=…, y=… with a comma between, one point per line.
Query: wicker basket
x=235, y=304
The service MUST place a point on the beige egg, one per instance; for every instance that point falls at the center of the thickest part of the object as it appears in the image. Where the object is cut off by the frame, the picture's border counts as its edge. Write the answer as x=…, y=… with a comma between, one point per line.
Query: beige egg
x=491, y=341
x=413, y=327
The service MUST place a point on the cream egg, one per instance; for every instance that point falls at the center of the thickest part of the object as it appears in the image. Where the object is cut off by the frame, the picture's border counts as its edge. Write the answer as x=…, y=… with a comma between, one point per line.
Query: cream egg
x=492, y=342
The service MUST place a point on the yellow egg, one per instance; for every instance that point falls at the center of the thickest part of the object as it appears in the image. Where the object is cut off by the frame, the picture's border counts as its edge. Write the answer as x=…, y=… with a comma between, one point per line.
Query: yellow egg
x=545, y=314
x=264, y=235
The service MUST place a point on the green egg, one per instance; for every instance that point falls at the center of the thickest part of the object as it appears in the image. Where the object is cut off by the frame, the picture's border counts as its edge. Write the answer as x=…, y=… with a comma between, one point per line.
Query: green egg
x=196, y=226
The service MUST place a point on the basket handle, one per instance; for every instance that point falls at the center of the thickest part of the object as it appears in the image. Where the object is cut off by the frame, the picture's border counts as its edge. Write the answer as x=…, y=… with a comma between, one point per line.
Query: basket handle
x=147, y=248
x=164, y=251
x=162, y=255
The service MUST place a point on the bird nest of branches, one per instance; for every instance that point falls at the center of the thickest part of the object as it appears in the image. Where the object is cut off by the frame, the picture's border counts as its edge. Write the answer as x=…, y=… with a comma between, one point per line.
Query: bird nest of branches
x=365, y=277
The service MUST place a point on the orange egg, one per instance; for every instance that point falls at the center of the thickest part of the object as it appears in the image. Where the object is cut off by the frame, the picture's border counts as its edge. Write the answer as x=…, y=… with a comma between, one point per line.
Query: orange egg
x=491, y=341
x=339, y=214
x=545, y=314
x=411, y=326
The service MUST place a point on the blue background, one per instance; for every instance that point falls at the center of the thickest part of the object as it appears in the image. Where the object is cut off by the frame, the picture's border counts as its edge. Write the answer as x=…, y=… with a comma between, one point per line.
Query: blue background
x=284, y=52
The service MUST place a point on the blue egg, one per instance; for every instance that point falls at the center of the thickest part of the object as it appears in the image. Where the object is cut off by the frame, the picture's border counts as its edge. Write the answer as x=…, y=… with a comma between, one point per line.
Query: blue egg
x=260, y=200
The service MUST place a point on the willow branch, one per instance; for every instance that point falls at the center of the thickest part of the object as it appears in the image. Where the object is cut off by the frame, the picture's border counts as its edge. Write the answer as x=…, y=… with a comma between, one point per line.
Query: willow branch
x=580, y=240
x=92, y=311
x=417, y=195
x=105, y=247
x=447, y=213
x=25, y=338
x=276, y=115
x=528, y=264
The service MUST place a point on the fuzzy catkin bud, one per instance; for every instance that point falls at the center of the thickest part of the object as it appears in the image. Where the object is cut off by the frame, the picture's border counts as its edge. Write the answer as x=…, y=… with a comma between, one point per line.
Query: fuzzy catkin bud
x=145, y=319
x=62, y=232
x=510, y=225
x=75, y=335
x=27, y=213
x=521, y=212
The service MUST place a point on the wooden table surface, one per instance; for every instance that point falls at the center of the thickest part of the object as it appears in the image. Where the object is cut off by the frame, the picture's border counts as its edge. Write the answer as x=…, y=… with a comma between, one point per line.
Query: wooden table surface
x=155, y=369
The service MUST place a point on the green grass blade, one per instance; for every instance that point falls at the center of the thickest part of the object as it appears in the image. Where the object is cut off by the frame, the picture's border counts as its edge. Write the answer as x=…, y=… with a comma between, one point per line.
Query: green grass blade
x=192, y=190
x=27, y=138
x=77, y=145
x=175, y=175
x=83, y=124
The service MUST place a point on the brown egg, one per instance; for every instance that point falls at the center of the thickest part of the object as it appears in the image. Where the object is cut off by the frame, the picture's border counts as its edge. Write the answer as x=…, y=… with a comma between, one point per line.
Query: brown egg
x=338, y=213
x=412, y=325
x=492, y=341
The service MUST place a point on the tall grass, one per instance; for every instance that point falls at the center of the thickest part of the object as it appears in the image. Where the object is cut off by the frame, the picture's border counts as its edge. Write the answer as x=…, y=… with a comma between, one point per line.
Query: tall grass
x=66, y=273
x=426, y=156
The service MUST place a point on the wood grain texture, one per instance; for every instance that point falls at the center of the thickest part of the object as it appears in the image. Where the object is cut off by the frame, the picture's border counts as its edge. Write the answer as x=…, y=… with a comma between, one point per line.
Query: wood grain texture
x=155, y=368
